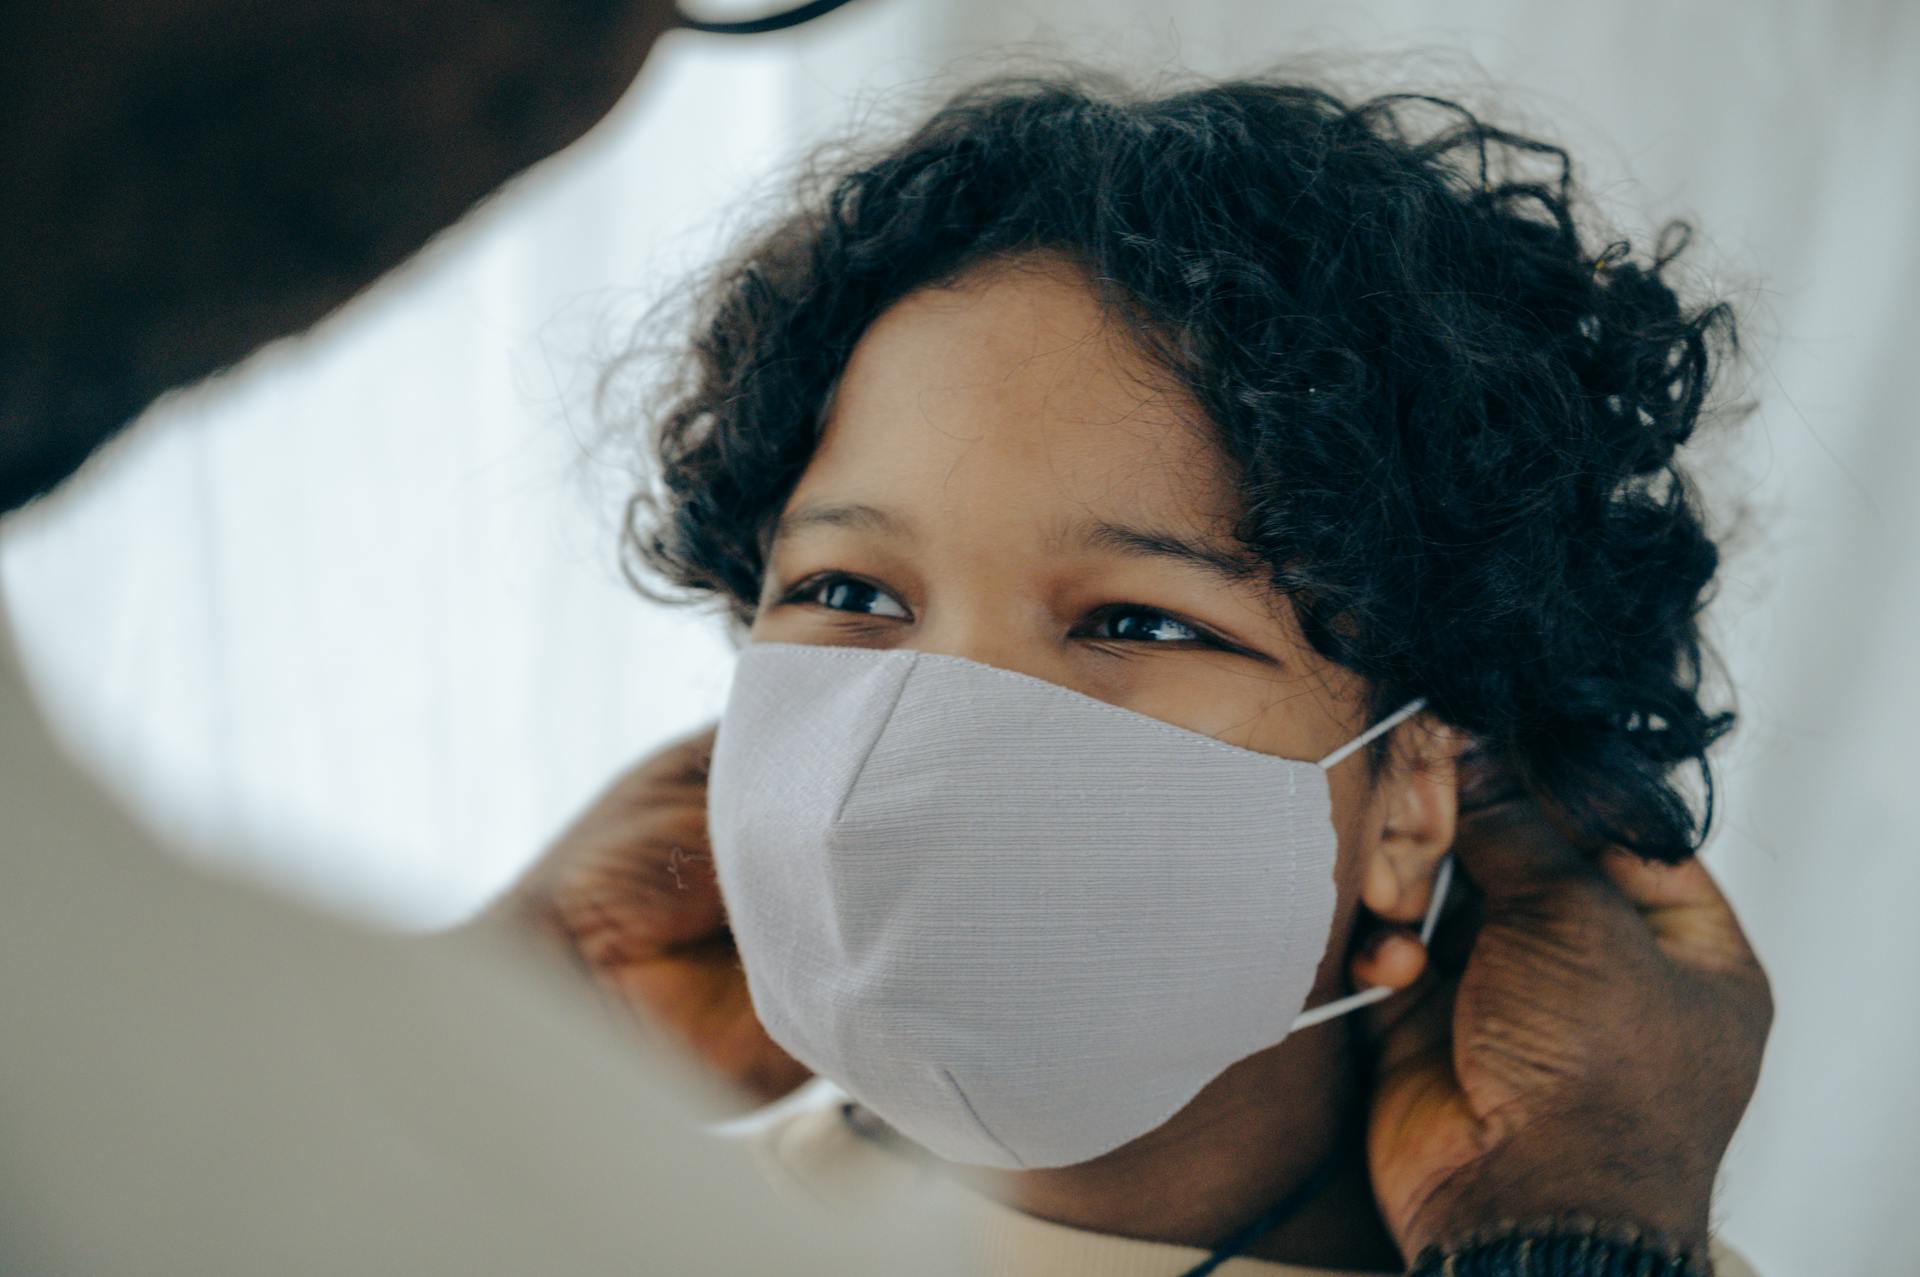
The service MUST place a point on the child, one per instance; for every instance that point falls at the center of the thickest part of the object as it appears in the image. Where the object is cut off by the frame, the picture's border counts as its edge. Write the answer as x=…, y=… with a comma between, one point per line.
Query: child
x=1152, y=520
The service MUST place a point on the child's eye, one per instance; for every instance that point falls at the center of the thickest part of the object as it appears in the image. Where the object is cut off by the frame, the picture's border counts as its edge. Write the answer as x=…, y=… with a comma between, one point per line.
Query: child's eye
x=849, y=594
x=1133, y=624
x=1116, y=623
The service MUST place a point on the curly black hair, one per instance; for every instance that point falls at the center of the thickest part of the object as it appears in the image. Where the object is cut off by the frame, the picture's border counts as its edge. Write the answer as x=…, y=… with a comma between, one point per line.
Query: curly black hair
x=1453, y=425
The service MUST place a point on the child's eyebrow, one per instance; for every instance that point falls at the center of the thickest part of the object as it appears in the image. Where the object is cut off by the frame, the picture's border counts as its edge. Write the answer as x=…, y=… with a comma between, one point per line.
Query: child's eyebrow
x=1236, y=567
x=851, y=514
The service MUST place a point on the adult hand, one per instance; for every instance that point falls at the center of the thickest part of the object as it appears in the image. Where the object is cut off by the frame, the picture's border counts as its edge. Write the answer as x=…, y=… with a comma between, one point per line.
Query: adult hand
x=1591, y=1055
x=629, y=892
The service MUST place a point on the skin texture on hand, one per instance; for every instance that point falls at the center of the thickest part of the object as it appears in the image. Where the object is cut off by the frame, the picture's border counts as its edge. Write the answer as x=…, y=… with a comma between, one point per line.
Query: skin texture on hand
x=1590, y=1054
x=629, y=892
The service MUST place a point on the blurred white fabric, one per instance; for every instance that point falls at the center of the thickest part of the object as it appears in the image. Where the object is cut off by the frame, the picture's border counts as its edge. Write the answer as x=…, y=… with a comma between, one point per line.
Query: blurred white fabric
x=356, y=602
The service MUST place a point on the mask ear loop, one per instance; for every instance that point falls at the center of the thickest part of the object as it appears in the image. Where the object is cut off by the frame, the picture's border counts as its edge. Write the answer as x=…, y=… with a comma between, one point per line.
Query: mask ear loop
x=1442, y=881
x=1353, y=1002
x=1380, y=728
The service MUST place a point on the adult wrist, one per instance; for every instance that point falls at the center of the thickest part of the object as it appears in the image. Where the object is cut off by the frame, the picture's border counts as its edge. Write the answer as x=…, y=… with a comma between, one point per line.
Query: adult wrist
x=1569, y=1172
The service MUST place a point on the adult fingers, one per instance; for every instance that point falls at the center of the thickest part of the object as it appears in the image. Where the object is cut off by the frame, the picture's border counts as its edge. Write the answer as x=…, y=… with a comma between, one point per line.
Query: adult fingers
x=1413, y=1025
x=1652, y=884
x=1683, y=906
x=1512, y=852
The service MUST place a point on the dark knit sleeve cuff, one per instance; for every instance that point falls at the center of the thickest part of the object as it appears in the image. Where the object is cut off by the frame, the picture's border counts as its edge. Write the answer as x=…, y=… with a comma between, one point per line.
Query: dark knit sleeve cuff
x=1561, y=1248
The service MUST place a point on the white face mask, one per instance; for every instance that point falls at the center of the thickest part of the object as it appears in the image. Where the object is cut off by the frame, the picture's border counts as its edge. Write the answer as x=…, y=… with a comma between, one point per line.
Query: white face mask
x=1020, y=924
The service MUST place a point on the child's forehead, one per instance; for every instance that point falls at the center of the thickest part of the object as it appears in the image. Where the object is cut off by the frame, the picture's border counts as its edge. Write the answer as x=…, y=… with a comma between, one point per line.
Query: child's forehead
x=1019, y=382
x=1036, y=308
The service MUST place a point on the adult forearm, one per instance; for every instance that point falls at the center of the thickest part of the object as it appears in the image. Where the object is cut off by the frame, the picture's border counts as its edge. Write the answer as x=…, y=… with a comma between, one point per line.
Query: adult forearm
x=188, y=179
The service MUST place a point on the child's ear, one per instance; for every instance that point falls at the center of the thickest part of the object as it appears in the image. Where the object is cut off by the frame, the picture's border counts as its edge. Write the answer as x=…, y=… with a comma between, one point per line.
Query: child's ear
x=1421, y=803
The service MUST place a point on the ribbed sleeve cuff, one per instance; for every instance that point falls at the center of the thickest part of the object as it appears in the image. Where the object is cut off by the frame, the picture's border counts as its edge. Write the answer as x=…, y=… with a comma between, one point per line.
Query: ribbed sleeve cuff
x=1561, y=1248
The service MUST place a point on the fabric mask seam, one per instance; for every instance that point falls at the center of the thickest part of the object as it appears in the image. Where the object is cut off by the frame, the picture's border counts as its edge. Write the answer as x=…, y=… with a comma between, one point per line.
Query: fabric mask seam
x=979, y=1121
x=853, y=781
x=1067, y=693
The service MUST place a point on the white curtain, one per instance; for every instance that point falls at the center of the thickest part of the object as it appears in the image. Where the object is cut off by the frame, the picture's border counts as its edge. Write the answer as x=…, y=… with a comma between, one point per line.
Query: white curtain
x=349, y=618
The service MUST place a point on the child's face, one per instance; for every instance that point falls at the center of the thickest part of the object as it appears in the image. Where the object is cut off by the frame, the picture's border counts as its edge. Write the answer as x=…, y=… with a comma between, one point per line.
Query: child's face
x=1003, y=478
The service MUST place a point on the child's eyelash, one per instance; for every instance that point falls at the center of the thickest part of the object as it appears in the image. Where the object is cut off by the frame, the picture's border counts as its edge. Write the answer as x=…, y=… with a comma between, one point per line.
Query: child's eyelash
x=806, y=592
x=1106, y=612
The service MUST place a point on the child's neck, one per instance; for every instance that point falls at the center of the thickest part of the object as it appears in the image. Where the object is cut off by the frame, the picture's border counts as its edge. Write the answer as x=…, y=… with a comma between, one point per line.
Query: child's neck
x=1254, y=1134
